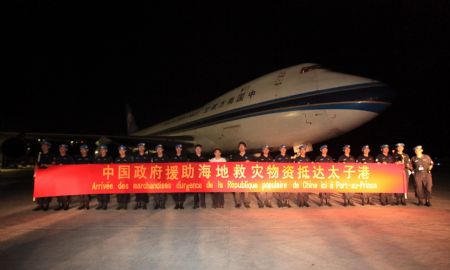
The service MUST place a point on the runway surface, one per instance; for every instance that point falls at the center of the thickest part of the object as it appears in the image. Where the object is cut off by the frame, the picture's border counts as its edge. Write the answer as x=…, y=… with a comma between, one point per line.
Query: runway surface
x=360, y=237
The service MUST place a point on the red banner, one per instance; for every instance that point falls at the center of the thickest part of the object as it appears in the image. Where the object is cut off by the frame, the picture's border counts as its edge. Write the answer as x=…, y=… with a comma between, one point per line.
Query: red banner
x=61, y=180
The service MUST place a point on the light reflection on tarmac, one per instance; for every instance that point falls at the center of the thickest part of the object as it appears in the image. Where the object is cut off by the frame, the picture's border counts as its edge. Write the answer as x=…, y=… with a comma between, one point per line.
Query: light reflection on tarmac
x=369, y=237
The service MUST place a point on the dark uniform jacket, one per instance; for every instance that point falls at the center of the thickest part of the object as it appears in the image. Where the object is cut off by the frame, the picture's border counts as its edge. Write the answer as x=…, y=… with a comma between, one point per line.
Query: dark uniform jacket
x=344, y=158
x=180, y=158
x=126, y=159
x=45, y=159
x=66, y=159
x=324, y=159
x=103, y=160
x=162, y=159
x=238, y=157
x=382, y=158
x=301, y=159
x=195, y=158
x=281, y=158
x=83, y=160
x=262, y=158
x=404, y=158
x=138, y=158
x=364, y=159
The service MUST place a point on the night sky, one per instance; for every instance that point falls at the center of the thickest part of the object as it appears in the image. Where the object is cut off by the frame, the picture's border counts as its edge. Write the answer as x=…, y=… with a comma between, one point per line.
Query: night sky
x=72, y=67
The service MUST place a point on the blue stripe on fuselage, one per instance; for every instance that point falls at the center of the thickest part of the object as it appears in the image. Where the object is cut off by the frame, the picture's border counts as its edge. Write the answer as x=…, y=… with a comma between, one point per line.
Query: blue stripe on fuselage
x=373, y=97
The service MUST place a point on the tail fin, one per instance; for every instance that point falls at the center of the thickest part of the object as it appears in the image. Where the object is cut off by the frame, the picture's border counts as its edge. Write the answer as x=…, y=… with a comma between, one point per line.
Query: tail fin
x=131, y=122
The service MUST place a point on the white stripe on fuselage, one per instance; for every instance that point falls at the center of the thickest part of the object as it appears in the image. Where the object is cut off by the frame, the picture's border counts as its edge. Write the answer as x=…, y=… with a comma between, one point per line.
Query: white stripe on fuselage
x=257, y=129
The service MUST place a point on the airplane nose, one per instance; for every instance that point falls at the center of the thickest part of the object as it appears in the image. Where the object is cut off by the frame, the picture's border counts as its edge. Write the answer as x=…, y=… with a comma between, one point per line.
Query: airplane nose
x=376, y=92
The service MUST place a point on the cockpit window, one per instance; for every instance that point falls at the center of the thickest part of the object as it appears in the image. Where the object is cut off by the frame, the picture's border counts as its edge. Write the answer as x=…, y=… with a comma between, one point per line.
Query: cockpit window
x=309, y=68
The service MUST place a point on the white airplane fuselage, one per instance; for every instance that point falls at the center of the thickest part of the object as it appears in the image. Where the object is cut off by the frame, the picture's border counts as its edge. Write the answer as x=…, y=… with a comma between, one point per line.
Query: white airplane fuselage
x=299, y=104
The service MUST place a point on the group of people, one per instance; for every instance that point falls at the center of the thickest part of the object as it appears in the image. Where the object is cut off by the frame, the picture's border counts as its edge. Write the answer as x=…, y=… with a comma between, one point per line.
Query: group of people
x=419, y=167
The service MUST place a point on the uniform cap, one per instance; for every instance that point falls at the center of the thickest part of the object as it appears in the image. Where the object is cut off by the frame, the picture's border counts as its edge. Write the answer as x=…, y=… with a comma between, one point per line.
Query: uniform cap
x=63, y=145
x=302, y=146
x=84, y=146
x=103, y=146
x=141, y=144
x=158, y=146
x=47, y=143
x=179, y=146
x=345, y=146
x=417, y=147
x=265, y=146
x=384, y=146
x=282, y=146
x=323, y=146
x=365, y=147
x=122, y=147
x=400, y=144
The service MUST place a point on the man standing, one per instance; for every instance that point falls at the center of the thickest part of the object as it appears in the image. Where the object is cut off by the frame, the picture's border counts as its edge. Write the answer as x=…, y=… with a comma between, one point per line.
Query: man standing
x=267, y=196
x=282, y=197
x=103, y=158
x=265, y=157
x=243, y=157
x=422, y=166
x=347, y=158
x=402, y=158
x=44, y=160
x=63, y=159
x=302, y=197
x=124, y=198
x=84, y=158
x=179, y=198
x=324, y=157
x=141, y=157
x=160, y=157
x=385, y=158
x=218, y=198
x=366, y=158
x=199, y=198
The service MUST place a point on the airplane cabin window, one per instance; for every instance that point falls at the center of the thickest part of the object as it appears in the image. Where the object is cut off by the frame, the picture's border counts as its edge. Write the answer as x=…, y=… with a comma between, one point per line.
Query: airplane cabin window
x=240, y=97
x=309, y=68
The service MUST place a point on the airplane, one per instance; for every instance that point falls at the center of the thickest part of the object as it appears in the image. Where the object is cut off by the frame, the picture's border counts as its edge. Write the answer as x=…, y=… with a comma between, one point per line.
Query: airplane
x=301, y=104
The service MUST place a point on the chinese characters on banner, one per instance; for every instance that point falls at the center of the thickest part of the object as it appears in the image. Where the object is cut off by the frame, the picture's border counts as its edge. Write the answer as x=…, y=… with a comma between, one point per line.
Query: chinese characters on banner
x=218, y=177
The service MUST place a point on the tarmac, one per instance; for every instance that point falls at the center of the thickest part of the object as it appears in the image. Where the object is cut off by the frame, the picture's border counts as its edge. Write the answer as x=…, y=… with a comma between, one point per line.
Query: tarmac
x=360, y=237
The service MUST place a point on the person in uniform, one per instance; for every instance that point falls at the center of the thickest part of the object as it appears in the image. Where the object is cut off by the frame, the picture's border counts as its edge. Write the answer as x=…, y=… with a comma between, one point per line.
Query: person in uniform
x=267, y=196
x=324, y=157
x=422, y=166
x=347, y=158
x=160, y=157
x=218, y=198
x=103, y=158
x=199, y=198
x=141, y=157
x=242, y=156
x=63, y=159
x=302, y=197
x=384, y=157
x=179, y=198
x=84, y=158
x=45, y=159
x=366, y=158
x=124, y=198
x=402, y=158
x=282, y=197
